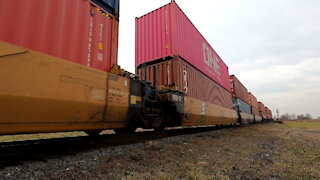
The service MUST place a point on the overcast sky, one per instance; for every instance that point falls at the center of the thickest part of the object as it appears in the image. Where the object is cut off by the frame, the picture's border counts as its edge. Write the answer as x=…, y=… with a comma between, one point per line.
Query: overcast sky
x=272, y=46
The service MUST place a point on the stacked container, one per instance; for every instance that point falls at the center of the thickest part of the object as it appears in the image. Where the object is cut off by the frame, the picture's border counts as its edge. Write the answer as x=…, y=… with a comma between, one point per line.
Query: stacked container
x=167, y=42
x=238, y=90
x=112, y=6
x=240, y=95
x=253, y=102
x=243, y=107
x=80, y=31
x=184, y=77
x=268, y=113
x=262, y=110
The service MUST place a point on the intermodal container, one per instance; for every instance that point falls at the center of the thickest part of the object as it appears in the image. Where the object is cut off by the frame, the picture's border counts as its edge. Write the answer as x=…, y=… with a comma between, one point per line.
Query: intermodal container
x=243, y=106
x=166, y=32
x=254, y=110
x=180, y=75
x=76, y=30
x=261, y=108
x=238, y=90
x=112, y=6
x=253, y=102
x=268, y=113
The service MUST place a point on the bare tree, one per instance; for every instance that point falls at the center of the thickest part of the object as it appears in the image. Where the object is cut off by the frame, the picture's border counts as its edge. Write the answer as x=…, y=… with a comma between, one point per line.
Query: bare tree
x=304, y=116
x=288, y=116
x=292, y=116
x=301, y=116
x=284, y=116
x=307, y=116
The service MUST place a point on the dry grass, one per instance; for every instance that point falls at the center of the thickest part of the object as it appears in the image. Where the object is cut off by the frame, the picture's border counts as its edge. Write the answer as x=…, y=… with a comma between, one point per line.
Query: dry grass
x=279, y=151
x=304, y=125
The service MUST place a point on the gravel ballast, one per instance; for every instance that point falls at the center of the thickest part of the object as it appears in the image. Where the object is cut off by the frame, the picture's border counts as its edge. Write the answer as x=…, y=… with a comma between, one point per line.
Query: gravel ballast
x=263, y=151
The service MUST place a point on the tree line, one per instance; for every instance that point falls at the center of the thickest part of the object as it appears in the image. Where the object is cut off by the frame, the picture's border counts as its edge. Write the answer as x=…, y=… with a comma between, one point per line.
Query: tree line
x=289, y=116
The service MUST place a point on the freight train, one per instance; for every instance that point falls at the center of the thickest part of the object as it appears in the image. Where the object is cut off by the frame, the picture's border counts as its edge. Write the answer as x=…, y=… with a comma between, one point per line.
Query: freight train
x=59, y=72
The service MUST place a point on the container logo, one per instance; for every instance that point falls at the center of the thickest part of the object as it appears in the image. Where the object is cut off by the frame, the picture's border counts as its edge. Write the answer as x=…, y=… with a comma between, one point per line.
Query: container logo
x=211, y=61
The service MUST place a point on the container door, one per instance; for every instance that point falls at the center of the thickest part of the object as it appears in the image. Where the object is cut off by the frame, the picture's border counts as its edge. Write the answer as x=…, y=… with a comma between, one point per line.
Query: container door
x=101, y=41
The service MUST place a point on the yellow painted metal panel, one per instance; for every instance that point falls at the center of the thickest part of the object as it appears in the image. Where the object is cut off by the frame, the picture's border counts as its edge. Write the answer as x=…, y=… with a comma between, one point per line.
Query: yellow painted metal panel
x=118, y=99
x=201, y=113
x=7, y=49
x=44, y=92
x=193, y=109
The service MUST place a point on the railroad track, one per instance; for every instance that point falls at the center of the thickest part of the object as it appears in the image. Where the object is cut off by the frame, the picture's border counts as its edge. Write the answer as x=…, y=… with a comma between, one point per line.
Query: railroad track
x=15, y=153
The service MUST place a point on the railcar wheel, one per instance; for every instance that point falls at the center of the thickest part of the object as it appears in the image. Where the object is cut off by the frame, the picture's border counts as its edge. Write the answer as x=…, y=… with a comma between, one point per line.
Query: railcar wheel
x=93, y=132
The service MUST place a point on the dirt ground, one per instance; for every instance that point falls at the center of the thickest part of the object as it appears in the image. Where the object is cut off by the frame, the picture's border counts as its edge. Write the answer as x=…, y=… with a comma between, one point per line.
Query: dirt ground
x=264, y=151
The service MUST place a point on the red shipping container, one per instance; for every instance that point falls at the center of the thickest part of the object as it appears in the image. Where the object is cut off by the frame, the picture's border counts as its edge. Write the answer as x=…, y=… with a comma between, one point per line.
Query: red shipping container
x=261, y=108
x=238, y=90
x=266, y=112
x=186, y=78
x=253, y=103
x=75, y=30
x=254, y=110
x=269, y=113
x=166, y=32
